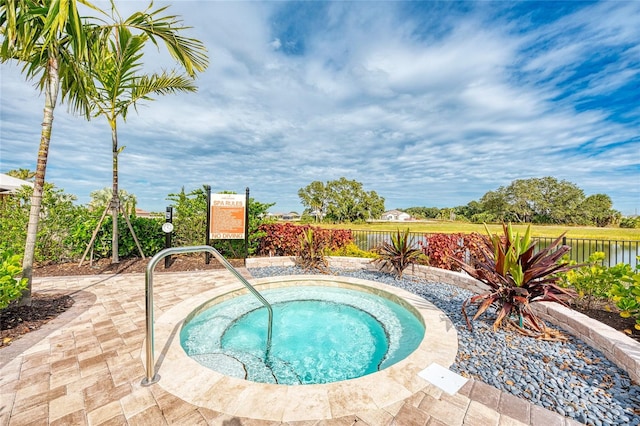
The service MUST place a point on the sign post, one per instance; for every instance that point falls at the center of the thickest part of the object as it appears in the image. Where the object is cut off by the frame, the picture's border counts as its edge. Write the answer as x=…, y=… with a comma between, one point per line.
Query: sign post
x=246, y=226
x=207, y=239
x=167, y=227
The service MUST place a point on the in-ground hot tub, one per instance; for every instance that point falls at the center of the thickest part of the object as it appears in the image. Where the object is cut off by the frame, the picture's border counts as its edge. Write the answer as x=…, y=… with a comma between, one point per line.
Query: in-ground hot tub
x=321, y=334
x=189, y=380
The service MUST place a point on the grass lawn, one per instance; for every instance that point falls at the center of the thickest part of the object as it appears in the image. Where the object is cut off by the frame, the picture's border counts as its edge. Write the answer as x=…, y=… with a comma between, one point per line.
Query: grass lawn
x=537, y=230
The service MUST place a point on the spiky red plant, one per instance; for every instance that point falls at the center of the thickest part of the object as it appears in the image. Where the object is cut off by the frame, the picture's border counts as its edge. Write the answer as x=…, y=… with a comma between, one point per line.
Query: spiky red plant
x=517, y=276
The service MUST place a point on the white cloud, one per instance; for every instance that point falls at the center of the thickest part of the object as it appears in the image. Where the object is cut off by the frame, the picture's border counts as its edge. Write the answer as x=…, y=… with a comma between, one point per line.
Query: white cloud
x=422, y=117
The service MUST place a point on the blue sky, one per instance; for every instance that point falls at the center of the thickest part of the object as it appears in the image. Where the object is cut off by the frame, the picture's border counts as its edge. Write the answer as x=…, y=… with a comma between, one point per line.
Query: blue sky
x=426, y=103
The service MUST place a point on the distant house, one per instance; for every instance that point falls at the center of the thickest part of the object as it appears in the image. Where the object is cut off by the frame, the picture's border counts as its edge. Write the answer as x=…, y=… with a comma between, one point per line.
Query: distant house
x=284, y=216
x=395, y=216
x=144, y=213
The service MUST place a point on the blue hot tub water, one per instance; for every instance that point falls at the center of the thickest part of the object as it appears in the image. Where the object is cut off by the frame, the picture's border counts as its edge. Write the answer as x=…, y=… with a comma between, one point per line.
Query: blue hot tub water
x=320, y=335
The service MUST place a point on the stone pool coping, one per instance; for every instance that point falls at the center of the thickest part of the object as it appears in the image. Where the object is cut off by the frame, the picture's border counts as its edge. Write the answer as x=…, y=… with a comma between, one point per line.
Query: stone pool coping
x=620, y=349
x=207, y=388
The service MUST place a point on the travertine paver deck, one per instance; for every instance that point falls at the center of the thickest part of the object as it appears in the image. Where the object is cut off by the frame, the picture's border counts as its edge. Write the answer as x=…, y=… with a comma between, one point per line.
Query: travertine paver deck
x=85, y=368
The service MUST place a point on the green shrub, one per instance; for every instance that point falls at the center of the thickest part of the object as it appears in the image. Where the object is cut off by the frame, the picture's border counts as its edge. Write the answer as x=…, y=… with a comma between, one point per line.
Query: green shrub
x=626, y=294
x=351, y=250
x=283, y=239
x=593, y=281
x=630, y=222
x=10, y=287
x=57, y=221
x=484, y=217
x=148, y=231
x=446, y=251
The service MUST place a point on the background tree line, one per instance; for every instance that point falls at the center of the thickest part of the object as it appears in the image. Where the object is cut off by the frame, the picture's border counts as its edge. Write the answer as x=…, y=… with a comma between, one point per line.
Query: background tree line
x=537, y=200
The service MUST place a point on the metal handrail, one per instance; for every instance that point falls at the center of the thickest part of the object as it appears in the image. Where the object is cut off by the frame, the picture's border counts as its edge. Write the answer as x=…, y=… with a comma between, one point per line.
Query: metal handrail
x=151, y=377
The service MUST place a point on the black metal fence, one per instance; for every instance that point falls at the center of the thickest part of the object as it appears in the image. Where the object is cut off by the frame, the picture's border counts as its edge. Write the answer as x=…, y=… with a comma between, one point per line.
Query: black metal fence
x=615, y=251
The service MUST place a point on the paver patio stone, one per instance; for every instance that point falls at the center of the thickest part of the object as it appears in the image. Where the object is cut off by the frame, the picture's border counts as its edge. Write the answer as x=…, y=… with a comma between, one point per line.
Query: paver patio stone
x=481, y=415
x=410, y=415
x=541, y=416
x=65, y=405
x=514, y=407
x=450, y=411
x=485, y=394
x=77, y=418
x=509, y=421
x=150, y=416
x=104, y=413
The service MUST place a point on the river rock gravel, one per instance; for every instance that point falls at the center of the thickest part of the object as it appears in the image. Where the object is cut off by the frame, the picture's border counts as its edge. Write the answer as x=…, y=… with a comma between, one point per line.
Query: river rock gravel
x=570, y=378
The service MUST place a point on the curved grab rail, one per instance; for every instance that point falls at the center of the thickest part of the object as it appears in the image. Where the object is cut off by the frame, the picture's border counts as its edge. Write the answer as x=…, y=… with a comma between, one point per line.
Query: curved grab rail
x=152, y=378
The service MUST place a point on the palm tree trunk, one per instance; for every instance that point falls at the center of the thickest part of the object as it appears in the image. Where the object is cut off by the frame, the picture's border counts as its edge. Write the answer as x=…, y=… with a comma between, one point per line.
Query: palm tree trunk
x=52, y=87
x=115, y=200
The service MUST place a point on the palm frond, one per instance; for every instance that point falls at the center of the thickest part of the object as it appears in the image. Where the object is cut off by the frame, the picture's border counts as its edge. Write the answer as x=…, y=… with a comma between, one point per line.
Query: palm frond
x=189, y=52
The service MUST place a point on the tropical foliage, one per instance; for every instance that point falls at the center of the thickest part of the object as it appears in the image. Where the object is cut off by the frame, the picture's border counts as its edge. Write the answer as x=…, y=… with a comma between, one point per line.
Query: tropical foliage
x=101, y=199
x=593, y=281
x=55, y=44
x=119, y=84
x=283, y=239
x=10, y=287
x=55, y=226
x=352, y=250
x=49, y=39
x=626, y=293
x=630, y=222
x=65, y=228
x=398, y=254
x=517, y=276
x=311, y=252
x=445, y=251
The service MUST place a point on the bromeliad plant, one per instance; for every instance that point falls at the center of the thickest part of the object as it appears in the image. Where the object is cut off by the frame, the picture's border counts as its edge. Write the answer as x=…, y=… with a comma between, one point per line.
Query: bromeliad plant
x=310, y=254
x=398, y=254
x=517, y=277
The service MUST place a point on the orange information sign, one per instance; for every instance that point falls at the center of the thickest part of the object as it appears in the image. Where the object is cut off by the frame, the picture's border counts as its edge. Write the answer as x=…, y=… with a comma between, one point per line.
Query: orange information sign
x=227, y=216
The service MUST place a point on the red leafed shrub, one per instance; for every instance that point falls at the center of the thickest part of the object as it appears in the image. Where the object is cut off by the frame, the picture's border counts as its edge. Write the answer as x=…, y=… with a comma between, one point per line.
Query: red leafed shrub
x=443, y=248
x=283, y=239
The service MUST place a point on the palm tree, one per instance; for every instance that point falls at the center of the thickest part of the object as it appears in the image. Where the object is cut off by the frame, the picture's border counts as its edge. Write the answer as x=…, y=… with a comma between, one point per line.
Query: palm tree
x=101, y=199
x=49, y=39
x=24, y=174
x=118, y=58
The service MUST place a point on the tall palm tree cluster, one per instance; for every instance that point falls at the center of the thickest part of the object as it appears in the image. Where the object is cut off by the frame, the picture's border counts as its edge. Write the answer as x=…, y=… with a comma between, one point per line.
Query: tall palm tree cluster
x=94, y=64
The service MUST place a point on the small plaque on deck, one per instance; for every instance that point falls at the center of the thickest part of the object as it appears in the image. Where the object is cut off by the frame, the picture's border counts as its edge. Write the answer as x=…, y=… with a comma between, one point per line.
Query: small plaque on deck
x=443, y=378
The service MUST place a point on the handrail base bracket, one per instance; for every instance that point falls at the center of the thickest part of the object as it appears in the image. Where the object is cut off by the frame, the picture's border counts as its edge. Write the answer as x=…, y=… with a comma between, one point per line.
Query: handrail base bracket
x=146, y=382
